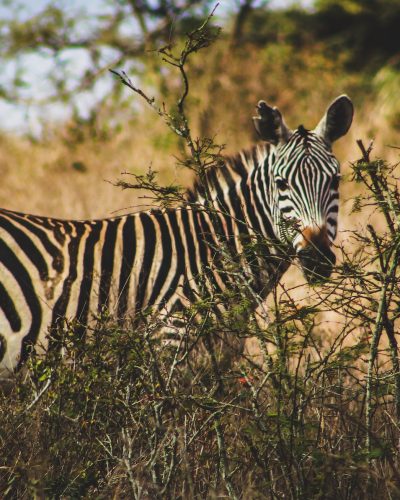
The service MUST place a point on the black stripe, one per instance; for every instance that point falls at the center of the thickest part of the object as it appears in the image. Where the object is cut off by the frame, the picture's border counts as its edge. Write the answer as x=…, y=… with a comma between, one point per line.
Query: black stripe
x=149, y=235
x=205, y=235
x=196, y=217
x=224, y=212
x=249, y=249
x=57, y=256
x=188, y=291
x=3, y=346
x=261, y=195
x=20, y=274
x=9, y=310
x=228, y=179
x=61, y=305
x=238, y=217
x=166, y=257
x=59, y=235
x=87, y=276
x=27, y=246
x=107, y=263
x=189, y=238
x=332, y=221
x=251, y=215
x=180, y=257
x=334, y=209
x=128, y=257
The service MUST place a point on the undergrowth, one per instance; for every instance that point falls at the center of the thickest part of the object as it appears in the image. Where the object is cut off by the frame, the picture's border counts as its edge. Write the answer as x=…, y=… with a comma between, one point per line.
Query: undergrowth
x=117, y=413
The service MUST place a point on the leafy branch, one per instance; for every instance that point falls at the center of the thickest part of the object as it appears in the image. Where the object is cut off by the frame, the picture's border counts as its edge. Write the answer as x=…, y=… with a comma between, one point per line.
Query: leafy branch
x=200, y=38
x=164, y=196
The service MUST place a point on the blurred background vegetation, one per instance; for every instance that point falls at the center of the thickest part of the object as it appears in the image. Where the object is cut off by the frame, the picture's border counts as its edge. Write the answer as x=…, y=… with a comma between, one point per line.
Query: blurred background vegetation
x=68, y=124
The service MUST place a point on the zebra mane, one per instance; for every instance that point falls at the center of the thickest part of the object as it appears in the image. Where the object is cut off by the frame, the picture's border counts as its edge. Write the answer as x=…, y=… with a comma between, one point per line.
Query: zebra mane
x=304, y=134
x=228, y=173
x=302, y=131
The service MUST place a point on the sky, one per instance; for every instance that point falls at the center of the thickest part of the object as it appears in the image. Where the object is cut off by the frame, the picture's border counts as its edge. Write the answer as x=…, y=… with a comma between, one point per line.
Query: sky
x=22, y=118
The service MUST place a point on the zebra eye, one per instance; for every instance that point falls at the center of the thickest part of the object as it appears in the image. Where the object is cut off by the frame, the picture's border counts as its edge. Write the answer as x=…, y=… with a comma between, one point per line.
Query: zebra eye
x=335, y=182
x=282, y=184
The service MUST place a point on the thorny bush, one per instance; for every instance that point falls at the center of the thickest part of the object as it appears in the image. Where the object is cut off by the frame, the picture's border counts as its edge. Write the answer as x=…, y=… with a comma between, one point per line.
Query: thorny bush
x=315, y=415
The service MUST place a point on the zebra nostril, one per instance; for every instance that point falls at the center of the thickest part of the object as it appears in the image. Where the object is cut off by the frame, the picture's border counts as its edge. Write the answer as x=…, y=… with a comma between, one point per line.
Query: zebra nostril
x=321, y=254
x=317, y=263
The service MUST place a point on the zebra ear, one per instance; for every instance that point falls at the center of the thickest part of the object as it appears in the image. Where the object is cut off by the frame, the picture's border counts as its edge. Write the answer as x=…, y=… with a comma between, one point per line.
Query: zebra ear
x=270, y=125
x=337, y=119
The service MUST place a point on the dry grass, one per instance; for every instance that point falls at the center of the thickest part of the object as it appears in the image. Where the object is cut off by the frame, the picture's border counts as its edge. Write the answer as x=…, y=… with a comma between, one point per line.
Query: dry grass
x=73, y=181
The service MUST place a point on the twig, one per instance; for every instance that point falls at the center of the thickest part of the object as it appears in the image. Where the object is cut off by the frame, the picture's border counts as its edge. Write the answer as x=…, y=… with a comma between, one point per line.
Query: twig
x=150, y=101
x=223, y=459
x=39, y=395
x=365, y=152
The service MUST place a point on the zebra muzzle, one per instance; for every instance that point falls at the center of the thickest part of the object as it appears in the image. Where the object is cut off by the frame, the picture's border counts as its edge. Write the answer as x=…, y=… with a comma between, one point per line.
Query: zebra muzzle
x=317, y=263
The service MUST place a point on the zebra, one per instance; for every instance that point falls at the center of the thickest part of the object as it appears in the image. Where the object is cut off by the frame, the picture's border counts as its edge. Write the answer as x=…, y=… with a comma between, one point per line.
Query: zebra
x=283, y=193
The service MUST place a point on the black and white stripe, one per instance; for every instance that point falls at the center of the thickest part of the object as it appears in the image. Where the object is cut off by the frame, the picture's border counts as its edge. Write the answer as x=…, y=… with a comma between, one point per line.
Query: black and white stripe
x=164, y=259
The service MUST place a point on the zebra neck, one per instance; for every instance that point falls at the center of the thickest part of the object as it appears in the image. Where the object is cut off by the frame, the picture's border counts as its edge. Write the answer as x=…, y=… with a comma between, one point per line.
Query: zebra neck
x=261, y=202
x=239, y=192
x=240, y=215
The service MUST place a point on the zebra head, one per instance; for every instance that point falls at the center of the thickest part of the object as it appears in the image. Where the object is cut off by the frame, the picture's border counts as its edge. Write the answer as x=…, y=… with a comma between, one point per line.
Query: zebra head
x=303, y=181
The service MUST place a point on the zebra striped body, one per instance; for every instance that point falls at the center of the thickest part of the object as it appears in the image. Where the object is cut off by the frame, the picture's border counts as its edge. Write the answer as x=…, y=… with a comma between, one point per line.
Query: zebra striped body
x=164, y=259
